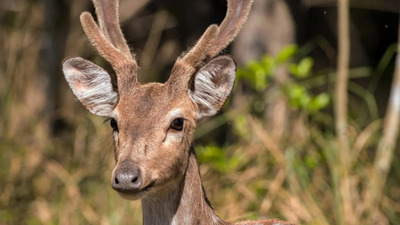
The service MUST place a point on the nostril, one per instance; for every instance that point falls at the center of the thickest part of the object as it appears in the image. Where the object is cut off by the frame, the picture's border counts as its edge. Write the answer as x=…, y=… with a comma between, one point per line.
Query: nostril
x=127, y=177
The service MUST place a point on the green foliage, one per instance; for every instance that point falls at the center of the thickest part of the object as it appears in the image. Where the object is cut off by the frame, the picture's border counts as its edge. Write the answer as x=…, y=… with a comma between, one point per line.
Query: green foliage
x=257, y=72
x=260, y=73
x=299, y=98
x=286, y=54
x=64, y=179
x=241, y=127
x=218, y=158
x=303, y=68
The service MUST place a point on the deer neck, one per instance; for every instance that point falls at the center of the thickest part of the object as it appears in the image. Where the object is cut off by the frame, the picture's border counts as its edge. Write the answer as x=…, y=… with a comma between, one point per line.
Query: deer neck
x=184, y=202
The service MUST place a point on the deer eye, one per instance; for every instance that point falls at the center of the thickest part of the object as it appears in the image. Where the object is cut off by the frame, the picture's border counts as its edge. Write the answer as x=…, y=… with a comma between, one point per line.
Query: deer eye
x=177, y=124
x=113, y=124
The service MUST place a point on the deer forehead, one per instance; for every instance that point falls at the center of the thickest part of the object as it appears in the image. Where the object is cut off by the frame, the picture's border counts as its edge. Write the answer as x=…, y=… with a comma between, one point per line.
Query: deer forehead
x=152, y=104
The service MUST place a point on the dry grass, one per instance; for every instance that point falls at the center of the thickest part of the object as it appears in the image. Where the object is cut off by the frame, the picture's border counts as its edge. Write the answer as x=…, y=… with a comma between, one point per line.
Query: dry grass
x=64, y=178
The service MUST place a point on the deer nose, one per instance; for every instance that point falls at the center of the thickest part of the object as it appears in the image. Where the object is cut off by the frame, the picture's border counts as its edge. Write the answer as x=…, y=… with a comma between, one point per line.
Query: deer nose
x=127, y=177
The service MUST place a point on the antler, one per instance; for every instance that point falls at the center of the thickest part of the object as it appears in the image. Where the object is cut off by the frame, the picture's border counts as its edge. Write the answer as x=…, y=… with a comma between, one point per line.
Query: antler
x=213, y=41
x=109, y=40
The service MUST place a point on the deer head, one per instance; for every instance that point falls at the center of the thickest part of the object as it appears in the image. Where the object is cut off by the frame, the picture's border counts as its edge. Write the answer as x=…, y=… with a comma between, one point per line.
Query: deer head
x=153, y=124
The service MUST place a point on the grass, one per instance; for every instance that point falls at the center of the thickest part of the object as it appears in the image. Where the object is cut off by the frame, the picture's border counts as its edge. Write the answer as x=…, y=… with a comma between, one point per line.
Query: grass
x=300, y=176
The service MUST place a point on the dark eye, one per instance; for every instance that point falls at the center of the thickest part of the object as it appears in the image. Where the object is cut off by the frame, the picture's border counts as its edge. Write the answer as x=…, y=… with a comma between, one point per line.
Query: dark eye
x=113, y=124
x=177, y=124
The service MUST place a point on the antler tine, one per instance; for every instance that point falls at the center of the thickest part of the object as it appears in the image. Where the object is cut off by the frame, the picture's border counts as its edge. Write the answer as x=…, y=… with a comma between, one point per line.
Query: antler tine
x=236, y=15
x=190, y=61
x=107, y=13
x=108, y=39
x=213, y=41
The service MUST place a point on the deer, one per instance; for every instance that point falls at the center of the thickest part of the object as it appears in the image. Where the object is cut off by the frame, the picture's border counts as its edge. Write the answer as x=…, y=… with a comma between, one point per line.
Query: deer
x=153, y=124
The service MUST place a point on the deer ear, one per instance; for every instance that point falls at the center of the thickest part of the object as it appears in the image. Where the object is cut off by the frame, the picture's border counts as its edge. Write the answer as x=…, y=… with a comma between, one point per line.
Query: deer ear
x=91, y=84
x=212, y=85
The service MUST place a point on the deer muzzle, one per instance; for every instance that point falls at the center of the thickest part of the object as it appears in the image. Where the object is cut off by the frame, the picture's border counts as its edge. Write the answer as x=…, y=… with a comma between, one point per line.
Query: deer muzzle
x=127, y=178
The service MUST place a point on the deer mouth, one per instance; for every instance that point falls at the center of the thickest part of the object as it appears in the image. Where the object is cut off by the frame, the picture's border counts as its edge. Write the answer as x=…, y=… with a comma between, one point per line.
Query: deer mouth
x=136, y=194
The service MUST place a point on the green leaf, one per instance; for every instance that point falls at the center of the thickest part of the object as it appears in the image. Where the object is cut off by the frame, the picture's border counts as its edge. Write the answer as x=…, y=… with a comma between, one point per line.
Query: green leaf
x=293, y=69
x=304, y=67
x=268, y=64
x=322, y=100
x=241, y=74
x=260, y=81
x=311, y=162
x=319, y=102
x=286, y=54
x=214, y=155
x=305, y=100
x=295, y=91
x=256, y=67
x=232, y=163
x=240, y=126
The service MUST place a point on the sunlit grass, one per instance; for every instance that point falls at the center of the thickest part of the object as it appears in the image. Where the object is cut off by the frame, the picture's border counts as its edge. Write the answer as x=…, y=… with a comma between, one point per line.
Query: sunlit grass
x=65, y=178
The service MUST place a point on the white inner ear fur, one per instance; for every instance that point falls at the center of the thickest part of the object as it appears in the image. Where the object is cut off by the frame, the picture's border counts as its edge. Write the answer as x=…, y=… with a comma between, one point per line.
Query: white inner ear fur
x=212, y=85
x=92, y=85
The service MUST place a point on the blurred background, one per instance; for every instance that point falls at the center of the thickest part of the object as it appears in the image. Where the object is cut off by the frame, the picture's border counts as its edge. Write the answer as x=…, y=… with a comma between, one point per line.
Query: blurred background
x=309, y=134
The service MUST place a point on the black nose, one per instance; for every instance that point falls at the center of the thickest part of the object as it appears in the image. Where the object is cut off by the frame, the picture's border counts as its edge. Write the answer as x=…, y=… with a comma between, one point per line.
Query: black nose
x=127, y=177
